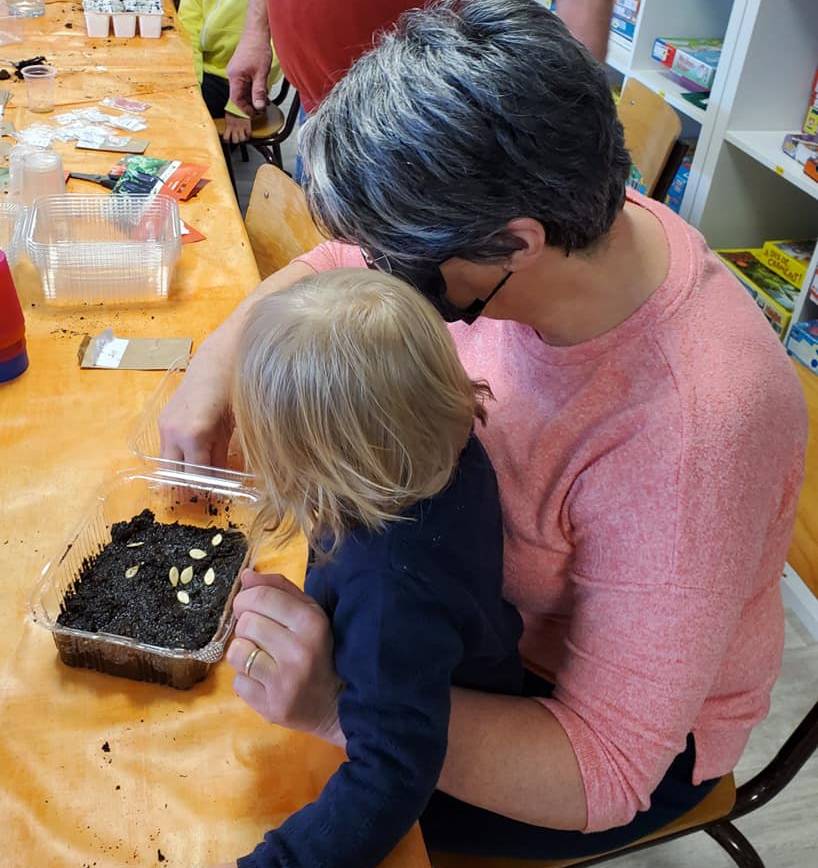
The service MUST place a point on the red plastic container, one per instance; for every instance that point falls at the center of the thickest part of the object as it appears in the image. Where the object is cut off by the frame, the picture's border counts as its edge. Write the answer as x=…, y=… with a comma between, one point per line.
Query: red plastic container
x=13, y=356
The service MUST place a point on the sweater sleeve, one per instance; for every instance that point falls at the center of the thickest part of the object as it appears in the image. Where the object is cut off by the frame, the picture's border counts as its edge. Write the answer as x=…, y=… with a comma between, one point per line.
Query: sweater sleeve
x=671, y=527
x=397, y=645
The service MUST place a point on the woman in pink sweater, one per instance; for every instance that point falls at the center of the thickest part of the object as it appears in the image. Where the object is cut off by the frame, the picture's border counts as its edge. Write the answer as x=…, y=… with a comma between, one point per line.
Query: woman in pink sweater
x=647, y=434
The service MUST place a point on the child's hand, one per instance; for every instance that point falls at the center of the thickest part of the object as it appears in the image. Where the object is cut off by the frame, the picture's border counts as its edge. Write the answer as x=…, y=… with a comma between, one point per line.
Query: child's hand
x=291, y=680
x=236, y=129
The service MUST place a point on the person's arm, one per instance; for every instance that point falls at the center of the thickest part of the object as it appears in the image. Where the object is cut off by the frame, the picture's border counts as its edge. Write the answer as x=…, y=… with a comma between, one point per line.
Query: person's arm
x=397, y=644
x=195, y=426
x=589, y=21
x=250, y=65
x=494, y=741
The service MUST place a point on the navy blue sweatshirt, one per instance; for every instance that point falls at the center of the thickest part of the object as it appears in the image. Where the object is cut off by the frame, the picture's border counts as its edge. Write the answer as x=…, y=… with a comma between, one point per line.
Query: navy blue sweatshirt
x=414, y=610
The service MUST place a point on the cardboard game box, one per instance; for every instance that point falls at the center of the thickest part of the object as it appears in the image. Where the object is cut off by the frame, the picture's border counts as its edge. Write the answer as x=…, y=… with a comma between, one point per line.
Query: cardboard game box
x=802, y=343
x=694, y=61
x=774, y=295
x=788, y=259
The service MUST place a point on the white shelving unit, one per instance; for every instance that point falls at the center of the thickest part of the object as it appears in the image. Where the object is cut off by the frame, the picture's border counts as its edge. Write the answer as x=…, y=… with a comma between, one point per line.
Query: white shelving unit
x=743, y=189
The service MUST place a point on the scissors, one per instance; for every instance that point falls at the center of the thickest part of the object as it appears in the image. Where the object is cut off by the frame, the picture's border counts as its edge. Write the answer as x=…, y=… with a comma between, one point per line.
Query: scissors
x=104, y=180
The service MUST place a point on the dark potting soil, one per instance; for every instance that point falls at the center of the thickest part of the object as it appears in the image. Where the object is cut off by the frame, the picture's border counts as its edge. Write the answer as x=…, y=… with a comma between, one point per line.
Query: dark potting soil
x=145, y=606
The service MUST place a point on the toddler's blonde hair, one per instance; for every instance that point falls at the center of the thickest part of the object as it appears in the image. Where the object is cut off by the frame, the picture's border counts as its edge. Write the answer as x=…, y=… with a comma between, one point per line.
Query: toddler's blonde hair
x=350, y=404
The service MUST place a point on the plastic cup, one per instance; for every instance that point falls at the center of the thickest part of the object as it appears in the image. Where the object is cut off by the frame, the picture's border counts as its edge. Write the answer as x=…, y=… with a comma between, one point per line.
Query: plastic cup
x=16, y=157
x=40, y=82
x=42, y=176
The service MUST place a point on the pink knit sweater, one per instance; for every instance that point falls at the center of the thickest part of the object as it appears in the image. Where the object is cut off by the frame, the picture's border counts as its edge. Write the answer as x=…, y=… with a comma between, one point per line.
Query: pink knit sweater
x=649, y=480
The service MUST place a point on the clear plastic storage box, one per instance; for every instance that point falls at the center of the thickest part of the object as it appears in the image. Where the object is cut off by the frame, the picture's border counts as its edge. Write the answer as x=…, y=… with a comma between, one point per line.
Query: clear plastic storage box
x=202, y=496
x=206, y=500
x=114, y=249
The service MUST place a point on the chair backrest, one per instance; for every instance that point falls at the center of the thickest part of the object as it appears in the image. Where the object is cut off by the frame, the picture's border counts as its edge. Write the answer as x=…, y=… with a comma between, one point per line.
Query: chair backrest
x=651, y=129
x=803, y=554
x=278, y=222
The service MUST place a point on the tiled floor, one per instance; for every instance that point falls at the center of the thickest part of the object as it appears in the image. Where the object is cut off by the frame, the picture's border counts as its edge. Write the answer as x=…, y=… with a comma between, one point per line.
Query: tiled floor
x=785, y=832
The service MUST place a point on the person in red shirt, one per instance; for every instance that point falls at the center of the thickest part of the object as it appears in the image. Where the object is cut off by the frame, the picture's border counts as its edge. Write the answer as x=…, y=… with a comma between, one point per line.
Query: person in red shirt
x=318, y=40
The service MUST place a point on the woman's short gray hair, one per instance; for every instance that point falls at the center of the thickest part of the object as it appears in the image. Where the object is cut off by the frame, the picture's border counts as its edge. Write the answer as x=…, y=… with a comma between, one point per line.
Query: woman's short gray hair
x=466, y=115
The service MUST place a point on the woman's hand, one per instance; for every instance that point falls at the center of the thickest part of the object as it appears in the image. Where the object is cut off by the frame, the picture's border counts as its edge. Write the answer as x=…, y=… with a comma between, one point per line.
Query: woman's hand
x=292, y=680
x=196, y=424
x=236, y=129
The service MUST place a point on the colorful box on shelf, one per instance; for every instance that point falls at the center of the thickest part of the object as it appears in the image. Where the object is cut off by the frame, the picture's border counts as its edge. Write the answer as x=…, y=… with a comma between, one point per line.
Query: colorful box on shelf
x=811, y=168
x=774, y=295
x=802, y=343
x=800, y=146
x=124, y=14
x=676, y=191
x=811, y=120
x=623, y=20
x=788, y=259
x=692, y=61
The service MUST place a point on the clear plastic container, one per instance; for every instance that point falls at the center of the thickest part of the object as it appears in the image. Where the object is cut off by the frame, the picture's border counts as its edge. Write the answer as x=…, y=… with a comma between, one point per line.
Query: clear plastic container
x=40, y=86
x=207, y=499
x=11, y=29
x=109, y=249
x=12, y=220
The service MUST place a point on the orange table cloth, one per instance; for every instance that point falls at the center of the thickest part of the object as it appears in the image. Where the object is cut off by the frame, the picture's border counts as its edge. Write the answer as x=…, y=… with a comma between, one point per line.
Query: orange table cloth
x=189, y=778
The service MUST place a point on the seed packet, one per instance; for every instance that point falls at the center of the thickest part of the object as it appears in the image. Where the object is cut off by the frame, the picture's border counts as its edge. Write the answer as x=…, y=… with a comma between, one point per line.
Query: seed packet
x=125, y=104
x=145, y=175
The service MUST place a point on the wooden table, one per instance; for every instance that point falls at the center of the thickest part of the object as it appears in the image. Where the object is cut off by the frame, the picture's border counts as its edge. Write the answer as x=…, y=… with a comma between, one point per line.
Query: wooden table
x=196, y=775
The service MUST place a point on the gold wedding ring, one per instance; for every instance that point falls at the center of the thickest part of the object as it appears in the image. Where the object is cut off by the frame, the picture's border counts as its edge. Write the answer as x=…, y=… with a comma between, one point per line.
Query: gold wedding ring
x=251, y=657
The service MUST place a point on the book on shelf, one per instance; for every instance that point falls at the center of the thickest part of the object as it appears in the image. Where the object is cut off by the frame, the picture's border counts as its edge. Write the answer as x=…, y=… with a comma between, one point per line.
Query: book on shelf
x=692, y=61
x=775, y=296
x=800, y=146
x=788, y=259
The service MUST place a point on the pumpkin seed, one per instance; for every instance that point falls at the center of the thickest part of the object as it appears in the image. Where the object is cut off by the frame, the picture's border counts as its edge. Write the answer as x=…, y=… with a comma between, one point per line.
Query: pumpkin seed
x=173, y=575
x=134, y=545
x=183, y=597
x=216, y=540
x=131, y=572
x=186, y=576
x=197, y=554
x=210, y=576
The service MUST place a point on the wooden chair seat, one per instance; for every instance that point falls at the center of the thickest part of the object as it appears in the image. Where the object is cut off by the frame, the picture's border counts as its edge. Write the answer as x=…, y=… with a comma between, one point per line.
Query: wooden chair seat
x=264, y=126
x=718, y=803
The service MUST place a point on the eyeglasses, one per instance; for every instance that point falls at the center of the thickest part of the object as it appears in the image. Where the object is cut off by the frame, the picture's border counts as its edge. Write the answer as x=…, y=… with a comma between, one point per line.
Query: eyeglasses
x=428, y=280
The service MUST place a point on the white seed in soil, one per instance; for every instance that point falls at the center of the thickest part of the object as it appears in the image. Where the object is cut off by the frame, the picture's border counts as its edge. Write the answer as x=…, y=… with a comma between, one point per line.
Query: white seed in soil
x=134, y=545
x=183, y=597
x=186, y=576
x=216, y=540
x=173, y=575
x=210, y=576
x=131, y=572
x=197, y=554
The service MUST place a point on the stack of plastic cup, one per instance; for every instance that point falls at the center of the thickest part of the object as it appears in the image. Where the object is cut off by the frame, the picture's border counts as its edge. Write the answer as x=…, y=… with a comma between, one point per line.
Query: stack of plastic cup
x=42, y=176
x=13, y=356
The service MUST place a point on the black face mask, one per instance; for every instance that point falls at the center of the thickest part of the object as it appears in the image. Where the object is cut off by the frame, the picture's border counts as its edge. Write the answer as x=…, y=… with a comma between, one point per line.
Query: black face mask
x=428, y=280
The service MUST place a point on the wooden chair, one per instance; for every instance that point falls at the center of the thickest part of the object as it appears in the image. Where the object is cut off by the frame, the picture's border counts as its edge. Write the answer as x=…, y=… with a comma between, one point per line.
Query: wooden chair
x=652, y=128
x=278, y=222
x=268, y=131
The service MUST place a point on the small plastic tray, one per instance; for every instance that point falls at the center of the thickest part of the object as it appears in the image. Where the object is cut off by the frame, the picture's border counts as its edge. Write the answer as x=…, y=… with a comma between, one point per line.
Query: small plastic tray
x=206, y=500
x=109, y=249
x=202, y=496
x=12, y=224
